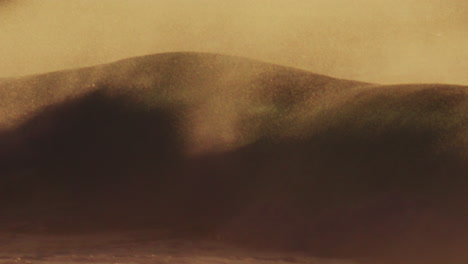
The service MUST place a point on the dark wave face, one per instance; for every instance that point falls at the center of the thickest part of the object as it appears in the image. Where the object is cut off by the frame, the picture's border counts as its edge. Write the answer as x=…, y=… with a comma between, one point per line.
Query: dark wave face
x=248, y=152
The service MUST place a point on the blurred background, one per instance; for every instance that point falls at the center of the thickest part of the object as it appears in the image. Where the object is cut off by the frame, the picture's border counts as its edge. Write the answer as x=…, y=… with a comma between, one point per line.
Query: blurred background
x=384, y=41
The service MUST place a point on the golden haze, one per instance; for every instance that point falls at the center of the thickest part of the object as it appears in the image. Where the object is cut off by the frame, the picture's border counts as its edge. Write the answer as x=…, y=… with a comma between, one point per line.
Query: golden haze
x=385, y=41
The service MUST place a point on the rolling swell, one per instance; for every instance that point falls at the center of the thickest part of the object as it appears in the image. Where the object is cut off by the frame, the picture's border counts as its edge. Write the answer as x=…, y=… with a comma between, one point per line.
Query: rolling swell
x=253, y=153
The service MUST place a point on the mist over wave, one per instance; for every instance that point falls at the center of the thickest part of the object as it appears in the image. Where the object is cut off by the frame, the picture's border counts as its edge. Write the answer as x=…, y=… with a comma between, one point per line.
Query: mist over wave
x=376, y=41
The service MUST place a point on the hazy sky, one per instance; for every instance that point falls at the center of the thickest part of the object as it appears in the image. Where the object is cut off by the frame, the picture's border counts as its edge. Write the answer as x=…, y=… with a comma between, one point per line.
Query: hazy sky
x=387, y=41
